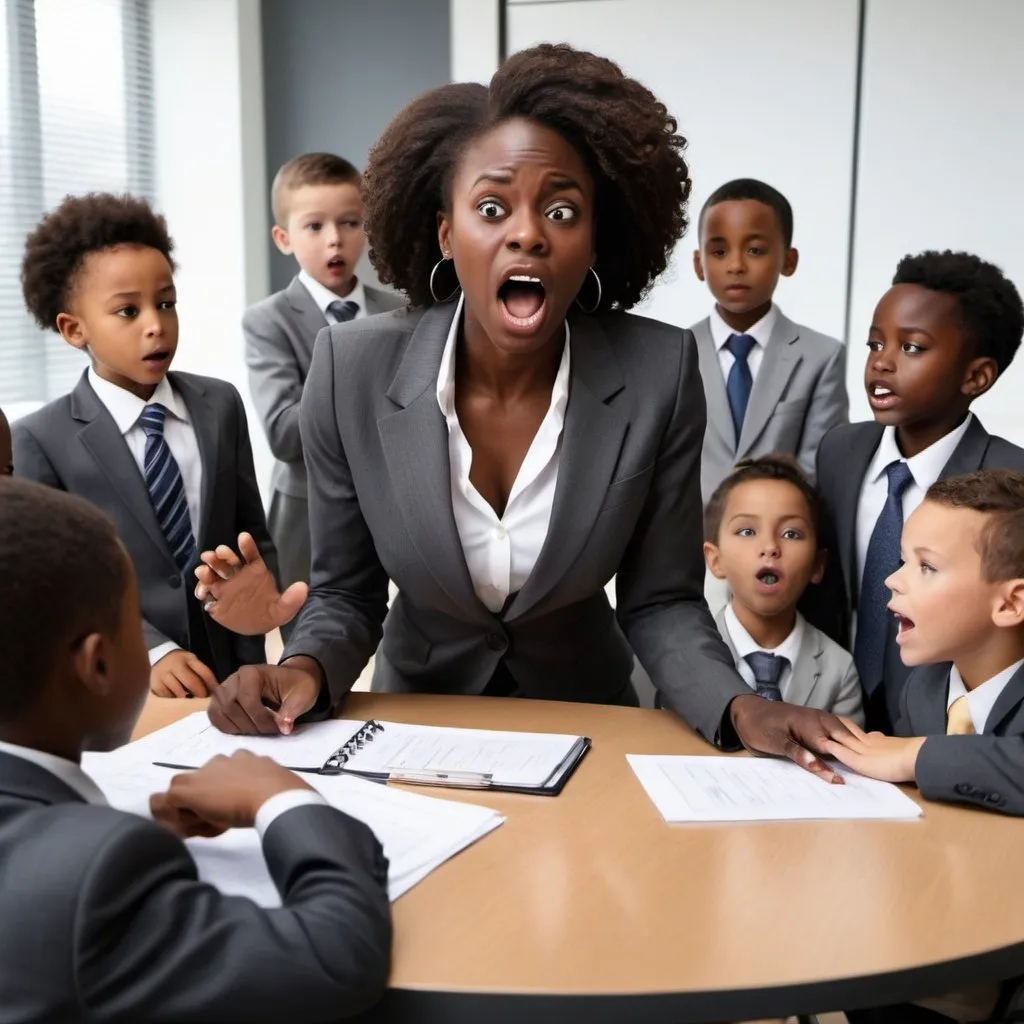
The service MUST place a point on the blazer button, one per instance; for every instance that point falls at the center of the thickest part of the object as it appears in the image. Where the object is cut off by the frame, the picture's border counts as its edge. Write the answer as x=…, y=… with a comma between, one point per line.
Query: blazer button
x=963, y=789
x=994, y=798
x=174, y=581
x=496, y=642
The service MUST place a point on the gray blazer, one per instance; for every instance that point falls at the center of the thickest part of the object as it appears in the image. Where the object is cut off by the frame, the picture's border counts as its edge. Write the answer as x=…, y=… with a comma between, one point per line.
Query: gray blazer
x=824, y=675
x=279, y=334
x=987, y=770
x=102, y=917
x=799, y=395
x=74, y=444
x=627, y=504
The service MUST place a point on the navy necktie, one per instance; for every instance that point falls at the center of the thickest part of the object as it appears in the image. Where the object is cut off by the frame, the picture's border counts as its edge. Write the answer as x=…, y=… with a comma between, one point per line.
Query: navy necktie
x=343, y=309
x=166, y=488
x=740, y=382
x=767, y=669
x=882, y=560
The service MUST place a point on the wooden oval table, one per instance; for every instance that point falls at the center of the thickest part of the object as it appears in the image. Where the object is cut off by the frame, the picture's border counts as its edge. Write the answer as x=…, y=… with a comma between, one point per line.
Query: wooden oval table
x=588, y=904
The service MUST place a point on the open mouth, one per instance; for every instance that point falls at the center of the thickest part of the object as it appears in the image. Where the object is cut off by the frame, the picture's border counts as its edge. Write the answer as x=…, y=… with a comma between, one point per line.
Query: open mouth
x=880, y=394
x=160, y=356
x=335, y=264
x=522, y=298
x=768, y=576
x=903, y=626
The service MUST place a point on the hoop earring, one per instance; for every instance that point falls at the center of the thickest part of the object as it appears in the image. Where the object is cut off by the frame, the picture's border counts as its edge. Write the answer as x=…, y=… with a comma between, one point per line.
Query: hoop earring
x=596, y=305
x=445, y=258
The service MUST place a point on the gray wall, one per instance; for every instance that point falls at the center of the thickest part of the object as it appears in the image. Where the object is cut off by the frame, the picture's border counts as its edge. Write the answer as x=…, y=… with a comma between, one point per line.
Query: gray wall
x=336, y=71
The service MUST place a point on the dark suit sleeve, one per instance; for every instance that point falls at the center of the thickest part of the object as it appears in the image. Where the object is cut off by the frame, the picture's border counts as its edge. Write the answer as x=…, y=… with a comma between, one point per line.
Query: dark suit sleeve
x=829, y=407
x=249, y=518
x=30, y=460
x=984, y=771
x=660, y=582
x=341, y=623
x=154, y=944
x=275, y=383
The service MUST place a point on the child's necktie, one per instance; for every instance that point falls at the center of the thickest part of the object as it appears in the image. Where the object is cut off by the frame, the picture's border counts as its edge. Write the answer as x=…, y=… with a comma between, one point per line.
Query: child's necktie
x=767, y=669
x=740, y=382
x=166, y=488
x=958, y=718
x=343, y=309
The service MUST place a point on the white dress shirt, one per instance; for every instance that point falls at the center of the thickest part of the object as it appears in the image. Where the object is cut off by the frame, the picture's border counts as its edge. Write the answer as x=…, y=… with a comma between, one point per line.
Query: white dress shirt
x=72, y=775
x=745, y=644
x=323, y=297
x=925, y=468
x=501, y=552
x=721, y=332
x=983, y=697
x=180, y=436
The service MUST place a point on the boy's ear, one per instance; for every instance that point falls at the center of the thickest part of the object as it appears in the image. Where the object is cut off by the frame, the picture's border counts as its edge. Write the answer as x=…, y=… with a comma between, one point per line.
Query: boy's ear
x=790, y=261
x=90, y=661
x=71, y=331
x=698, y=265
x=820, y=564
x=444, y=232
x=713, y=560
x=281, y=240
x=979, y=376
x=1009, y=606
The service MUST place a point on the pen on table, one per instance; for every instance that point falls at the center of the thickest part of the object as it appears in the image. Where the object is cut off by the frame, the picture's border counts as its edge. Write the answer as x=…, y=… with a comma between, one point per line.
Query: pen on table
x=440, y=777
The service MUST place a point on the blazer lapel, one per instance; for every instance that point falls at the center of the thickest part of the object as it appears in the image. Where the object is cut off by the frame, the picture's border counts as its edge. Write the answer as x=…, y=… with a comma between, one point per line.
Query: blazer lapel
x=310, y=315
x=1007, y=702
x=807, y=670
x=718, y=412
x=592, y=438
x=857, y=458
x=203, y=415
x=969, y=454
x=105, y=444
x=777, y=366
x=926, y=690
x=415, y=444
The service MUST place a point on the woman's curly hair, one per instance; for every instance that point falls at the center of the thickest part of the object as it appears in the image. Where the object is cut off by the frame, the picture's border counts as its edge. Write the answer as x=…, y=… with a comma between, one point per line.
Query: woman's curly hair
x=56, y=249
x=625, y=135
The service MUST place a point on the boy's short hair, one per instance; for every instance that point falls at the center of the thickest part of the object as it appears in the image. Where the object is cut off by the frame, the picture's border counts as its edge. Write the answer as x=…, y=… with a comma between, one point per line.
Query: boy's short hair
x=999, y=495
x=309, y=169
x=56, y=249
x=751, y=188
x=63, y=575
x=990, y=305
x=776, y=466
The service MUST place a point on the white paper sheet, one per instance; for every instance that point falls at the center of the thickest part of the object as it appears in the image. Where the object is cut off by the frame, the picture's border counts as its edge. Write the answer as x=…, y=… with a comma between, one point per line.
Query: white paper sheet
x=693, y=788
x=418, y=833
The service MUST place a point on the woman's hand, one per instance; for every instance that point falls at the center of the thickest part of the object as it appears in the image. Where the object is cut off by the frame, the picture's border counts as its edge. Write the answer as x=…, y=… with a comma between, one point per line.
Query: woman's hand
x=240, y=592
x=777, y=729
x=266, y=699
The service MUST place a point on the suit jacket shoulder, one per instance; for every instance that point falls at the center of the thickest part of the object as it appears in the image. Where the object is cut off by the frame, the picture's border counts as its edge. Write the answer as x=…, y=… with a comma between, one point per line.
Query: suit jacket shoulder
x=380, y=301
x=814, y=340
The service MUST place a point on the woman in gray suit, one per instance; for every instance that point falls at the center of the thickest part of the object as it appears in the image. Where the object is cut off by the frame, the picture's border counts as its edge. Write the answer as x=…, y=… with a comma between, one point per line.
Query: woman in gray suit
x=514, y=439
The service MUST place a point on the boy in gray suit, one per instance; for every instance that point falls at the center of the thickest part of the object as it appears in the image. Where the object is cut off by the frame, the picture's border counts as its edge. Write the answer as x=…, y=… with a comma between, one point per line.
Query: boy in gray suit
x=762, y=527
x=771, y=385
x=102, y=917
x=318, y=219
x=958, y=600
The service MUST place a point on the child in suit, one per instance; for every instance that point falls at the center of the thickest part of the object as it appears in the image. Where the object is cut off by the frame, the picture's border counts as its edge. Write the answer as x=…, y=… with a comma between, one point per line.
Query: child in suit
x=6, y=451
x=771, y=385
x=166, y=455
x=101, y=914
x=958, y=600
x=948, y=327
x=762, y=529
x=318, y=219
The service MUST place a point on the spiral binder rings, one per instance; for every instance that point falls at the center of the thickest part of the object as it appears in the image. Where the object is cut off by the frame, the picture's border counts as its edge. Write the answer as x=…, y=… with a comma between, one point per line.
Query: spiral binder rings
x=335, y=764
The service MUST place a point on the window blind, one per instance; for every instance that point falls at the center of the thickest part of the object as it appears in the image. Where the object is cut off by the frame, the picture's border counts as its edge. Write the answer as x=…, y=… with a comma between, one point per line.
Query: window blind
x=76, y=115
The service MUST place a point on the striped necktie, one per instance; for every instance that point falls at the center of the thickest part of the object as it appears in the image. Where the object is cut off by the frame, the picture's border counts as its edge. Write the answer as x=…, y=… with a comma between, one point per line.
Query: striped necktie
x=343, y=309
x=166, y=488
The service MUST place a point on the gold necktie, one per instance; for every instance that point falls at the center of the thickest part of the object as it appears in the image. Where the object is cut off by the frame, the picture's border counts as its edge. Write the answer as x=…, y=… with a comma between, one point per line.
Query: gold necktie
x=958, y=718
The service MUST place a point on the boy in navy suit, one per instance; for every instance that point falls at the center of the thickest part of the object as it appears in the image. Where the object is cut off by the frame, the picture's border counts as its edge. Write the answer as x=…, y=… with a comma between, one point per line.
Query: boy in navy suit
x=102, y=917
x=948, y=327
x=166, y=455
x=958, y=601
x=318, y=219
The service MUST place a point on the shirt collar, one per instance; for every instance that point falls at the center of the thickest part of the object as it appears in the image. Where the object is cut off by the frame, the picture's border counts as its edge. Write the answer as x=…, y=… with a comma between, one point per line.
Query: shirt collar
x=323, y=297
x=126, y=408
x=745, y=643
x=446, y=371
x=721, y=332
x=983, y=697
x=68, y=772
x=925, y=467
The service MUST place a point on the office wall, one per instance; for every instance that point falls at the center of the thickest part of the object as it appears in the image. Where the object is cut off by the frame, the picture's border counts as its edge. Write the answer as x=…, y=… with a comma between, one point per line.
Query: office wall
x=336, y=71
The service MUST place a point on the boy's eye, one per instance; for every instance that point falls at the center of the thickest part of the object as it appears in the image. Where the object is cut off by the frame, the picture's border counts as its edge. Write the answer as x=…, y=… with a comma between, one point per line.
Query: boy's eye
x=927, y=567
x=910, y=348
x=314, y=226
x=127, y=312
x=875, y=346
x=562, y=213
x=352, y=224
x=490, y=209
x=792, y=534
x=168, y=304
x=717, y=253
x=755, y=250
x=745, y=531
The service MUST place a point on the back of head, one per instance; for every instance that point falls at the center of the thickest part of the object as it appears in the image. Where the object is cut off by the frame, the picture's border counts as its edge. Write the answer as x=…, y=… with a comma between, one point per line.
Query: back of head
x=991, y=311
x=997, y=494
x=80, y=225
x=777, y=466
x=309, y=169
x=759, y=191
x=63, y=576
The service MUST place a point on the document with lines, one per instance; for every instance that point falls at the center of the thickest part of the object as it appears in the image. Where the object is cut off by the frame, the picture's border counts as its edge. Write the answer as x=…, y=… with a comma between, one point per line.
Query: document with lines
x=694, y=788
